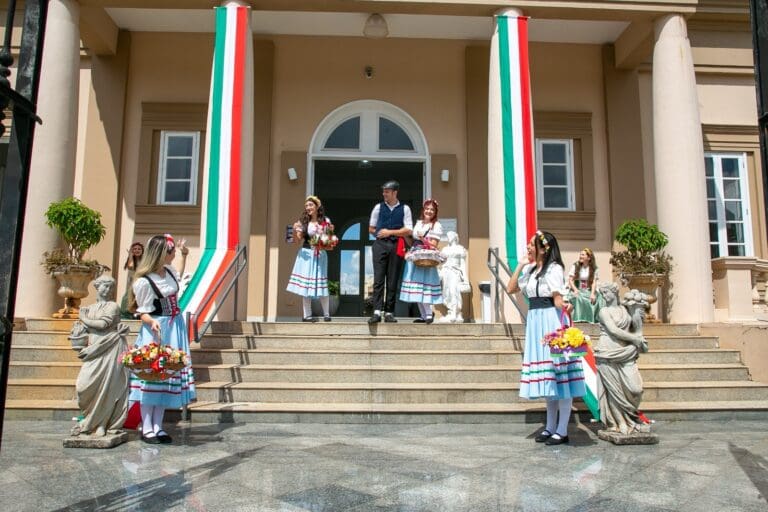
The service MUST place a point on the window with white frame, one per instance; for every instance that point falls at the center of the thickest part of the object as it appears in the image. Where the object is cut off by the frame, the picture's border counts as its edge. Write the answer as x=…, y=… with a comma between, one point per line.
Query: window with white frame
x=554, y=172
x=730, y=230
x=178, y=167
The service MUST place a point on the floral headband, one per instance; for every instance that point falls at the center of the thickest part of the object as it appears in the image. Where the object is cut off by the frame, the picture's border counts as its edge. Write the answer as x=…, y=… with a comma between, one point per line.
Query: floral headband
x=432, y=201
x=315, y=200
x=543, y=240
x=170, y=245
x=588, y=251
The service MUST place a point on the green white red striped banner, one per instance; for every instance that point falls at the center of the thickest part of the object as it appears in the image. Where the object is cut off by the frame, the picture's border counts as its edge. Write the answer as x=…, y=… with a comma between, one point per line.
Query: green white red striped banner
x=515, y=134
x=223, y=167
x=592, y=383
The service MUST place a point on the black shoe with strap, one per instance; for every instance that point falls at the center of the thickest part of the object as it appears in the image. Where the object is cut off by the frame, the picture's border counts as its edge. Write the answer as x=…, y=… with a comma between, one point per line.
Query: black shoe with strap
x=390, y=318
x=553, y=441
x=375, y=318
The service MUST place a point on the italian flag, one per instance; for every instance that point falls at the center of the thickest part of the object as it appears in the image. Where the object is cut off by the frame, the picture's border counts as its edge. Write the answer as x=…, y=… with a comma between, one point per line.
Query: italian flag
x=512, y=133
x=228, y=157
x=592, y=383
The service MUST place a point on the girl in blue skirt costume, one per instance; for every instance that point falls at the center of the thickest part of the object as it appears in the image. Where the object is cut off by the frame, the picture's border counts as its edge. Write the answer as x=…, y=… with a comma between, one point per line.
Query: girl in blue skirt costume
x=542, y=281
x=309, y=277
x=422, y=284
x=153, y=297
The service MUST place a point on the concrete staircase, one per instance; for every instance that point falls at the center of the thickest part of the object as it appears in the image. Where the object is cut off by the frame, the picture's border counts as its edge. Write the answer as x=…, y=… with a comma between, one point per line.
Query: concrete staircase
x=352, y=372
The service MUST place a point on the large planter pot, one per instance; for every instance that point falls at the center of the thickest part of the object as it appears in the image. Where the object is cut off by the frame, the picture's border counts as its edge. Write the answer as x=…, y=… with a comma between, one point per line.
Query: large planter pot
x=73, y=286
x=333, y=306
x=646, y=283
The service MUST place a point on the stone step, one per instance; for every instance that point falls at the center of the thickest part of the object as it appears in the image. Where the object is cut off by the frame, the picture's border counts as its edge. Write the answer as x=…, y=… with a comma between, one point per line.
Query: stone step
x=359, y=327
x=520, y=412
x=495, y=392
x=388, y=374
x=364, y=373
x=490, y=342
x=377, y=357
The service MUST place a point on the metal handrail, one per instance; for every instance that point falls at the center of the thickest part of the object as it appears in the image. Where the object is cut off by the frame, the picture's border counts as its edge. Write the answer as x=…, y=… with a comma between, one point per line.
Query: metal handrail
x=241, y=260
x=494, y=263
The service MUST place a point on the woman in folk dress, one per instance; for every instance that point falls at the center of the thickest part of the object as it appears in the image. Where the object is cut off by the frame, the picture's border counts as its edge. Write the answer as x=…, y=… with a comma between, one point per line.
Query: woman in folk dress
x=559, y=381
x=422, y=284
x=582, y=282
x=154, y=299
x=309, y=277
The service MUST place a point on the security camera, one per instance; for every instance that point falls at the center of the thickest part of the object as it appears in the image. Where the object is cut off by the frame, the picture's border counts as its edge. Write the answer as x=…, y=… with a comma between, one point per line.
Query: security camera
x=368, y=71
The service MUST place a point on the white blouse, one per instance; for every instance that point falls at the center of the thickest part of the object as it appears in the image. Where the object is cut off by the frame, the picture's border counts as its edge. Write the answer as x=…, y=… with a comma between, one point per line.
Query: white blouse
x=314, y=227
x=145, y=295
x=428, y=229
x=583, y=276
x=552, y=281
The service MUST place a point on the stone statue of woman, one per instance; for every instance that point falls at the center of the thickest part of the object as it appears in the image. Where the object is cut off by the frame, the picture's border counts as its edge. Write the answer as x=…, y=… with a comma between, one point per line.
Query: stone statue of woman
x=454, y=276
x=621, y=343
x=102, y=384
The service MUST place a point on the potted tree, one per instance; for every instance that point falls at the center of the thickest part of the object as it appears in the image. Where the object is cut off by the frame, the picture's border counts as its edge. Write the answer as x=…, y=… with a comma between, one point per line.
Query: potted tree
x=643, y=264
x=80, y=228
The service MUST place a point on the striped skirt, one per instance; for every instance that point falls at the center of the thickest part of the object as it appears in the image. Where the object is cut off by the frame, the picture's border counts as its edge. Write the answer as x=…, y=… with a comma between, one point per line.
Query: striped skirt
x=176, y=391
x=309, y=277
x=542, y=376
x=421, y=284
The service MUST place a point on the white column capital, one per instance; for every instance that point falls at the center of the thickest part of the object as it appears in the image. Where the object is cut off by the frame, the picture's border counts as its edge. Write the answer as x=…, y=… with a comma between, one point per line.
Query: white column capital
x=670, y=26
x=509, y=11
x=236, y=3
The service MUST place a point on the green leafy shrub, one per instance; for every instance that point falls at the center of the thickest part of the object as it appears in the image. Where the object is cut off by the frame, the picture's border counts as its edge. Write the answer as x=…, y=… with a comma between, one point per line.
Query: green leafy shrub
x=333, y=287
x=79, y=227
x=644, y=253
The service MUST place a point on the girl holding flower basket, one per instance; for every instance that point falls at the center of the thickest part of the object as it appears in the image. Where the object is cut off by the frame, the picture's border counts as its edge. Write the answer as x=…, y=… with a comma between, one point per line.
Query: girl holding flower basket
x=309, y=277
x=421, y=284
x=153, y=297
x=559, y=380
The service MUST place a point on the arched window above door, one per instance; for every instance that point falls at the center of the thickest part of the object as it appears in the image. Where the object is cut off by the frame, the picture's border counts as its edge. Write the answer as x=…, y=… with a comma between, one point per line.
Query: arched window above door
x=370, y=128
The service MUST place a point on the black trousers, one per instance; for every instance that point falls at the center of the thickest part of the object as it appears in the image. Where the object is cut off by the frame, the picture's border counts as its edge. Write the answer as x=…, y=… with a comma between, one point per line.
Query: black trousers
x=386, y=267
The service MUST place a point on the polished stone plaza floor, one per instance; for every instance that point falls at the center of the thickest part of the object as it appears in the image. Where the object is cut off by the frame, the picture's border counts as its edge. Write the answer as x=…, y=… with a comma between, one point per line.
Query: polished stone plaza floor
x=698, y=466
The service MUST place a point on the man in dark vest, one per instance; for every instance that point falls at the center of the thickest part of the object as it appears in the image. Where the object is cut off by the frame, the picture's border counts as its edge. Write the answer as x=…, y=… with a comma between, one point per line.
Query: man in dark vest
x=390, y=220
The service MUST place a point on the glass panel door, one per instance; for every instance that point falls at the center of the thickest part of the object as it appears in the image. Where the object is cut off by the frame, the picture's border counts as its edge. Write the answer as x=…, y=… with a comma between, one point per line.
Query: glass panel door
x=730, y=231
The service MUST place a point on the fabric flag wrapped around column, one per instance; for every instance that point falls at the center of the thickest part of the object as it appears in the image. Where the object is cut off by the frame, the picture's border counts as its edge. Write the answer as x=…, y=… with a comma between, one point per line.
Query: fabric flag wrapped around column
x=510, y=139
x=228, y=157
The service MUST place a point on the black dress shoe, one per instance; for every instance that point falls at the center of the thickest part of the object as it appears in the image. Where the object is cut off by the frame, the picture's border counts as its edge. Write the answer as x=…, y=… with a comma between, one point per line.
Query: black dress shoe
x=552, y=441
x=430, y=319
x=419, y=321
x=309, y=319
x=151, y=440
x=326, y=319
x=543, y=436
x=164, y=437
x=376, y=318
x=390, y=318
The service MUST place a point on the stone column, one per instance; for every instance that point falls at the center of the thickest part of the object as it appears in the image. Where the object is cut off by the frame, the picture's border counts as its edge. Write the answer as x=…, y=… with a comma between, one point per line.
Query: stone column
x=511, y=192
x=52, y=170
x=681, y=195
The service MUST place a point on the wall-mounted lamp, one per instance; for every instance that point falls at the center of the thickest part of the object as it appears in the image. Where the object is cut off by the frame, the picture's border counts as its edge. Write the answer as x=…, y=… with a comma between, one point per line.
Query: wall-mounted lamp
x=375, y=27
x=445, y=175
x=292, y=174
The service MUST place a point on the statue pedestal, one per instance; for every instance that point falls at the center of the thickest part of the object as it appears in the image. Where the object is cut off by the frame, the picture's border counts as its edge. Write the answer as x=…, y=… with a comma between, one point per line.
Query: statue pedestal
x=634, y=438
x=88, y=441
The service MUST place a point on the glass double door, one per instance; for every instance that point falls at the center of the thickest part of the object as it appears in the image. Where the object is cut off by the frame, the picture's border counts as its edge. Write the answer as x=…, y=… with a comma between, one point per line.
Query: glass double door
x=349, y=190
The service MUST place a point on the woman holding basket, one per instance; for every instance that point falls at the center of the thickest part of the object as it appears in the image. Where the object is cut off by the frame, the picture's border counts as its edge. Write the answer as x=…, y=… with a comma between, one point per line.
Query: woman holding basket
x=542, y=281
x=309, y=277
x=153, y=297
x=421, y=284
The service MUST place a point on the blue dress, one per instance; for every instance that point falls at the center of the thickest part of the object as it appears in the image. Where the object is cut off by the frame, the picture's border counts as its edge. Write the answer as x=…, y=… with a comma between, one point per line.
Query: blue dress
x=178, y=390
x=542, y=376
x=422, y=284
x=309, y=277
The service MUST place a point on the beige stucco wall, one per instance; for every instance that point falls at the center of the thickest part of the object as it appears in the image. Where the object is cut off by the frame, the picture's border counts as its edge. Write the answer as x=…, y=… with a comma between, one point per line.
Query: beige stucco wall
x=750, y=339
x=314, y=76
x=162, y=68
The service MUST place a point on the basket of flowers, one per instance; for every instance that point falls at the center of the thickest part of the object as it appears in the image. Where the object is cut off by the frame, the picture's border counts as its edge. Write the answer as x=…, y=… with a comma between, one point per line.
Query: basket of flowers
x=324, y=238
x=154, y=362
x=567, y=342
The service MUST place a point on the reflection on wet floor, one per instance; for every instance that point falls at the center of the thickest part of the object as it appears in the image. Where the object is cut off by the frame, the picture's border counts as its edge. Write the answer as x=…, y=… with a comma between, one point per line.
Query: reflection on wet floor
x=304, y=467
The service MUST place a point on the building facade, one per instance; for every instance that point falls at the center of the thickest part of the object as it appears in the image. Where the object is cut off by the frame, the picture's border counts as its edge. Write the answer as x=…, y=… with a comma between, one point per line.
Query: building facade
x=639, y=110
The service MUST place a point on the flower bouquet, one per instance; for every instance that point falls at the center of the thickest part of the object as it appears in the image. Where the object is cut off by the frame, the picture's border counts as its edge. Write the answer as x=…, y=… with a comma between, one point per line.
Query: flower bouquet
x=324, y=238
x=154, y=362
x=567, y=342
